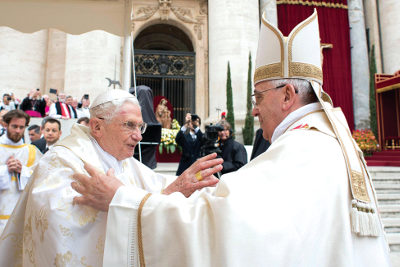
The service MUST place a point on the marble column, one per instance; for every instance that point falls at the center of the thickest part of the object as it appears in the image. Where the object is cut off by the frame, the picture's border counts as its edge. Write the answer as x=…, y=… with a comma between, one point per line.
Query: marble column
x=359, y=64
x=271, y=11
x=55, y=61
x=389, y=11
x=126, y=63
x=233, y=33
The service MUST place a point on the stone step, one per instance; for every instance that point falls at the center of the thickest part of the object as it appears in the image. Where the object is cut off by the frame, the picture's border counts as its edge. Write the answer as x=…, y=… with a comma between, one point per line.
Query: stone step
x=391, y=222
x=393, y=238
x=389, y=208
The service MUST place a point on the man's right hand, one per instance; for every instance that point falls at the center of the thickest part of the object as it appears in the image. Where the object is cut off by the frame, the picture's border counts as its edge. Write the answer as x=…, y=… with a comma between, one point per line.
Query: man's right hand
x=188, y=182
x=14, y=165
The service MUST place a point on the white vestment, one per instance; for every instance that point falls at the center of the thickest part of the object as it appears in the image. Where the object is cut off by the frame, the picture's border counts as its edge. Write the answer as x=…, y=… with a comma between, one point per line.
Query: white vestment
x=46, y=229
x=12, y=184
x=290, y=206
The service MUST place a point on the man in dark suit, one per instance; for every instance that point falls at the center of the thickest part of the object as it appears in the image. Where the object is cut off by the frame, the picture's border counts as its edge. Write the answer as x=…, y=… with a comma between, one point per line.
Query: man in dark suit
x=260, y=144
x=51, y=130
x=190, y=138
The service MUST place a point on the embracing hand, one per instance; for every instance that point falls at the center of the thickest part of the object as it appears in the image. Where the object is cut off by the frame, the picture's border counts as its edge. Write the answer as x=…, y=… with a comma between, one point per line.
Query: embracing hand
x=200, y=174
x=98, y=190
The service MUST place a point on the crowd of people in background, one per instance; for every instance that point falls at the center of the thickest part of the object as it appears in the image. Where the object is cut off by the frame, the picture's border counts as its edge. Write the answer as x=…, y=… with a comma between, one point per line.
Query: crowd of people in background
x=37, y=105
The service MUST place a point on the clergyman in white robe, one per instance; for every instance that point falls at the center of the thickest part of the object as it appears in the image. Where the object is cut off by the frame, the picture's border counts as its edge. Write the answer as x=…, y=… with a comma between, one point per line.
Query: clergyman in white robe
x=288, y=207
x=12, y=184
x=46, y=229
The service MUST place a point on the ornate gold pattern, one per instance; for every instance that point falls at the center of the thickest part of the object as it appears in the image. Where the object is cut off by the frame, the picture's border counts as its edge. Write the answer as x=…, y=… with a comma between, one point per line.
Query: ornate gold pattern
x=312, y=3
x=29, y=245
x=268, y=71
x=297, y=69
x=41, y=222
x=100, y=245
x=359, y=187
x=65, y=231
x=139, y=227
x=61, y=260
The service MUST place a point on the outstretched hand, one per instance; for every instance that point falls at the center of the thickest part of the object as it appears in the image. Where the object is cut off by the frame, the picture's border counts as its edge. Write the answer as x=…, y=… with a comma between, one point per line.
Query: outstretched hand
x=205, y=168
x=98, y=190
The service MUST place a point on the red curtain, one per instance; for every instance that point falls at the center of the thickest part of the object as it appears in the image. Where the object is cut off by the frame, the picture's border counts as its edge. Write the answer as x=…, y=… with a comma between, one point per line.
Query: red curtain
x=334, y=29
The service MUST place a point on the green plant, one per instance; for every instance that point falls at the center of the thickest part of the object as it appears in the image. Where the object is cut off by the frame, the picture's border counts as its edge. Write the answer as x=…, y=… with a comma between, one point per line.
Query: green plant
x=229, y=100
x=372, y=100
x=248, y=130
x=366, y=140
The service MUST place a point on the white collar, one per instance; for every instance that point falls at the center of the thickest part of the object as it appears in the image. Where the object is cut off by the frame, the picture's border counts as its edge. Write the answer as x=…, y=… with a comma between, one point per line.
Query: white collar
x=6, y=141
x=293, y=117
x=107, y=160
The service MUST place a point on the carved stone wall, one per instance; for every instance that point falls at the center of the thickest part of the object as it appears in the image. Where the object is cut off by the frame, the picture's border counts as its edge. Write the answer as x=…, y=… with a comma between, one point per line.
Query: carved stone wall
x=191, y=17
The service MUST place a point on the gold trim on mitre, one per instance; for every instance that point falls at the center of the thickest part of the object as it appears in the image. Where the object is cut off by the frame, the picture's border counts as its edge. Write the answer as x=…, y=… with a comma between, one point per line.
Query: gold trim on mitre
x=301, y=69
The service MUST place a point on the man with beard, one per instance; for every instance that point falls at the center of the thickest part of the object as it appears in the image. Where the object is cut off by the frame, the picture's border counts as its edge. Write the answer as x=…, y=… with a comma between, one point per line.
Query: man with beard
x=16, y=162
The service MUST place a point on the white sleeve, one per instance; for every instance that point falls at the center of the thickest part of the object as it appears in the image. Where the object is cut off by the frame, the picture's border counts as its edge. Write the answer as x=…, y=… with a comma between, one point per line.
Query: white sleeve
x=53, y=112
x=4, y=177
x=122, y=213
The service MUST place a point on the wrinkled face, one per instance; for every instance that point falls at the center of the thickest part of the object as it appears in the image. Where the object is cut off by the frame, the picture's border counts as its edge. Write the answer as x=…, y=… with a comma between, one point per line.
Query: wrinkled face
x=267, y=108
x=34, y=135
x=16, y=129
x=117, y=139
x=51, y=133
x=224, y=135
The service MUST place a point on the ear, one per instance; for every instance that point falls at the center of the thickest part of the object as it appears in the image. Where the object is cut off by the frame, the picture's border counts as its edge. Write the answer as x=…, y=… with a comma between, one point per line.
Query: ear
x=95, y=127
x=289, y=97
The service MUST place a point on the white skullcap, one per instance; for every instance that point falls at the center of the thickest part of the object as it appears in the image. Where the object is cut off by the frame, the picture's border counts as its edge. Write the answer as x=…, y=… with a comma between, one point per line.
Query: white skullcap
x=109, y=96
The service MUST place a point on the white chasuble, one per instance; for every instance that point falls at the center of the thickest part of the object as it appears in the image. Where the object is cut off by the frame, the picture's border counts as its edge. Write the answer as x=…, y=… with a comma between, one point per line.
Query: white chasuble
x=12, y=184
x=46, y=229
x=290, y=206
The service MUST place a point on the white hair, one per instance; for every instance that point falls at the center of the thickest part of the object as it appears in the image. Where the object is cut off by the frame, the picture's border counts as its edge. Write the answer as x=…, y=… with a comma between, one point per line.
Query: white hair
x=304, y=88
x=108, y=110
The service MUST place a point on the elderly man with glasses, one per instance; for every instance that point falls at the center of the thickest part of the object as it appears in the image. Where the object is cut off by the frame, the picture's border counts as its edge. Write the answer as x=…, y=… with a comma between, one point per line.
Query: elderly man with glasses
x=57, y=233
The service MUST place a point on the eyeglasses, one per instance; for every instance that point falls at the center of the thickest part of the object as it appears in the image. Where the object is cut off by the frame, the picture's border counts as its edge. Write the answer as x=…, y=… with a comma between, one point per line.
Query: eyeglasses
x=257, y=93
x=132, y=126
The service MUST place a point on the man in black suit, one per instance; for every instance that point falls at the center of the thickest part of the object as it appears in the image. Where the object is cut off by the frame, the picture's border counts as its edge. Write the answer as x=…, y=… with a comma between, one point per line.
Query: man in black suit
x=51, y=130
x=260, y=144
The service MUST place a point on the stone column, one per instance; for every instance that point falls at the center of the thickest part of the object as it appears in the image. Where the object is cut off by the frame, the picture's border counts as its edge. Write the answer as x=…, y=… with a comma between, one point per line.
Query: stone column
x=55, y=62
x=371, y=23
x=233, y=33
x=126, y=64
x=389, y=16
x=271, y=11
x=359, y=64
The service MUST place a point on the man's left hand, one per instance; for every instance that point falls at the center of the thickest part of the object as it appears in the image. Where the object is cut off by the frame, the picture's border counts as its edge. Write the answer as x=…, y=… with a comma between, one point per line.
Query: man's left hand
x=98, y=190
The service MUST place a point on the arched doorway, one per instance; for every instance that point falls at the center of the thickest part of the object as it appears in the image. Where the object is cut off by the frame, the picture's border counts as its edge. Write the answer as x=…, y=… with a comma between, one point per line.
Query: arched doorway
x=165, y=61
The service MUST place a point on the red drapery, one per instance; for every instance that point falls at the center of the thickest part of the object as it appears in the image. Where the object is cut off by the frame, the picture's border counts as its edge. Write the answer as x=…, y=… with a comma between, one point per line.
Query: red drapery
x=334, y=29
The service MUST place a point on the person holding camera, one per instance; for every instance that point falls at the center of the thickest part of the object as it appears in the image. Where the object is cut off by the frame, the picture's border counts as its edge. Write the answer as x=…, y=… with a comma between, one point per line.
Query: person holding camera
x=190, y=139
x=7, y=103
x=34, y=105
x=233, y=153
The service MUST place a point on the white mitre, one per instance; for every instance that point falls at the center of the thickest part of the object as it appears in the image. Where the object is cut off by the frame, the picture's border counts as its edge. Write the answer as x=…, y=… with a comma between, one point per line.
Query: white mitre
x=295, y=56
x=110, y=95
